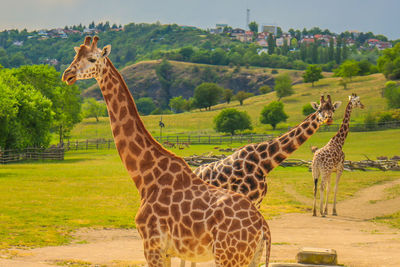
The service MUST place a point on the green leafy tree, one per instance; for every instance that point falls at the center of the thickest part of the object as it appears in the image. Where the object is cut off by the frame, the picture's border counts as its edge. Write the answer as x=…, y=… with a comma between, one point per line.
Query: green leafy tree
x=283, y=86
x=230, y=120
x=312, y=74
x=186, y=53
x=242, y=96
x=66, y=100
x=389, y=62
x=92, y=108
x=392, y=94
x=207, y=95
x=271, y=44
x=264, y=89
x=253, y=26
x=331, y=50
x=307, y=109
x=177, y=104
x=145, y=105
x=347, y=69
x=165, y=76
x=273, y=114
x=227, y=95
x=25, y=114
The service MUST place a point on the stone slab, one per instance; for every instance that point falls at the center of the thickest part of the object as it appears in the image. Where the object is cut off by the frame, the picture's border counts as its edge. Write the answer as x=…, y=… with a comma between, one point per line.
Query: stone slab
x=317, y=256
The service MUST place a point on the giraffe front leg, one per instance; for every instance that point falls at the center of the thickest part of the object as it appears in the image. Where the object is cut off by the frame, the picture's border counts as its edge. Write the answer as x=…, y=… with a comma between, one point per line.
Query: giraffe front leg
x=328, y=189
x=338, y=175
x=321, y=200
x=315, y=174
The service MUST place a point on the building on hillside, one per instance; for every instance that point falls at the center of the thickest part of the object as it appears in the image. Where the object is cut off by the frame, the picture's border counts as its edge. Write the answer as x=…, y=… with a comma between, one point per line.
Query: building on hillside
x=284, y=38
x=270, y=29
x=378, y=44
x=262, y=42
x=307, y=40
x=219, y=28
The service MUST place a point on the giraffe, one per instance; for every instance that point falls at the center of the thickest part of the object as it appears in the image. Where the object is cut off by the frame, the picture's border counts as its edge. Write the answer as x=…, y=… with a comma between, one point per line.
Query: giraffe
x=330, y=158
x=245, y=170
x=180, y=215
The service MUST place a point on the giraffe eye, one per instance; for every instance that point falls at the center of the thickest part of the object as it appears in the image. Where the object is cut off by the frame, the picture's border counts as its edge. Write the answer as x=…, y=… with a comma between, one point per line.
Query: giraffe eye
x=93, y=60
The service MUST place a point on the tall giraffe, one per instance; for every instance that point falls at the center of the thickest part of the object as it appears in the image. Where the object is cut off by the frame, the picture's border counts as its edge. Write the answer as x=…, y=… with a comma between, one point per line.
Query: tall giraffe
x=245, y=170
x=330, y=158
x=180, y=215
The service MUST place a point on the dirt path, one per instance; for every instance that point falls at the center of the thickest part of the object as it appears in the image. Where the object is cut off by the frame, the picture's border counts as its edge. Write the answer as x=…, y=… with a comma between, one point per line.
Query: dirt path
x=358, y=242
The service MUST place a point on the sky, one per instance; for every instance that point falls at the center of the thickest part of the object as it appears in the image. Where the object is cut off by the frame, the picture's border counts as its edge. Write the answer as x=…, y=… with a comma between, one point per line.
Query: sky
x=377, y=16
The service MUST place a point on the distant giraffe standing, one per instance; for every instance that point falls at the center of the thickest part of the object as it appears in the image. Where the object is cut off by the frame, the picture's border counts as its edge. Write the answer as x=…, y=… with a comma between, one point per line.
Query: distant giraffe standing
x=180, y=215
x=245, y=170
x=330, y=158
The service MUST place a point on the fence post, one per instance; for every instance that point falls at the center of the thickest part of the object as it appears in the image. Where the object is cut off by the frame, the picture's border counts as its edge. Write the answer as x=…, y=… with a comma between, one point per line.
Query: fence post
x=189, y=139
x=109, y=143
x=76, y=145
x=251, y=138
x=231, y=138
x=177, y=139
x=87, y=144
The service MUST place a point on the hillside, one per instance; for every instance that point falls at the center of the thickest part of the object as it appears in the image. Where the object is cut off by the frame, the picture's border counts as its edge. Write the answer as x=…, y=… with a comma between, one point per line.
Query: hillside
x=200, y=122
x=142, y=80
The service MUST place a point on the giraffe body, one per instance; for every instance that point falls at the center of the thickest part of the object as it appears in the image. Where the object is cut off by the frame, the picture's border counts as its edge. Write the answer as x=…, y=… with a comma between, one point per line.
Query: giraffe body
x=179, y=215
x=330, y=158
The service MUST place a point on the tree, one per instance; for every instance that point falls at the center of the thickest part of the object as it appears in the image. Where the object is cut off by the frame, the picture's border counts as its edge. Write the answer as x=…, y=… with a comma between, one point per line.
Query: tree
x=273, y=114
x=92, y=108
x=264, y=89
x=253, y=26
x=389, y=62
x=230, y=120
x=177, y=104
x=271, y=44
x=25, y=114
x=207, y=95
x=165, y=76
x=347, y=69
x=283, y=86
x=242, y=95
x=392, y=94
x=66, y=100
x=307, y=109
x=186, y=53
x=145, y=105
x=227, y=95
x=312, y=74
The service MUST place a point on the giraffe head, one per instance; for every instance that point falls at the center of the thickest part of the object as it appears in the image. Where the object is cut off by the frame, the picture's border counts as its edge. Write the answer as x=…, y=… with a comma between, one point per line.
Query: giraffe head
x=355, y=101
x=88, y=62
x=325, y=109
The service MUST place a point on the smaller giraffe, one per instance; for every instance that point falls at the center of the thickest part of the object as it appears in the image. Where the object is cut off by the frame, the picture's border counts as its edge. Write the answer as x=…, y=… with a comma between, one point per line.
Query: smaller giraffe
x=330, y=158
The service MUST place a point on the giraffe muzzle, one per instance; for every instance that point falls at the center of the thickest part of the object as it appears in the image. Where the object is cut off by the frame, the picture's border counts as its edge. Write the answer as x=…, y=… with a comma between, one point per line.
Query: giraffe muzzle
x=69, y=77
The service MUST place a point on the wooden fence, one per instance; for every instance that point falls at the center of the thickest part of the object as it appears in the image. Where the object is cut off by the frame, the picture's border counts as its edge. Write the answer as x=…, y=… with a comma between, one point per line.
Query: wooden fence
x=16, y=155
x=171, y=141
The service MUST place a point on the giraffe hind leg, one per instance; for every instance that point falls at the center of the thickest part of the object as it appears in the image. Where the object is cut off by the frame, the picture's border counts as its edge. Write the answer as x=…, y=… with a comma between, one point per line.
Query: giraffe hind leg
x=338, y=175
x=315, y=174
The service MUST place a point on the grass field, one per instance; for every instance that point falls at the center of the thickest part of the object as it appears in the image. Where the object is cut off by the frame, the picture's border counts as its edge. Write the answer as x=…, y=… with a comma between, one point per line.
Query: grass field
x=43, y=202
x=200, y=122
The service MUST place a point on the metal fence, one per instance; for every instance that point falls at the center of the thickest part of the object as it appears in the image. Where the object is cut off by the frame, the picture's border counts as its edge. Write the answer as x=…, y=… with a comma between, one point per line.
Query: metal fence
x=363, y=127
x=17, y=155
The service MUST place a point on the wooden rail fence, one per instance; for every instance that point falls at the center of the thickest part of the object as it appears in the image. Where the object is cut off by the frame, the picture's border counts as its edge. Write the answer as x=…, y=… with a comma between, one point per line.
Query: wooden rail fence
x=171, y=141
x=17, y=155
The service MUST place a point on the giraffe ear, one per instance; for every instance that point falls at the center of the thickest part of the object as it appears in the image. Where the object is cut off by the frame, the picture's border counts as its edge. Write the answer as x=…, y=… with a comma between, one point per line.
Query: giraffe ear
x=314, y=105
x=76, y=49
x=337, y=104
x=106, y=51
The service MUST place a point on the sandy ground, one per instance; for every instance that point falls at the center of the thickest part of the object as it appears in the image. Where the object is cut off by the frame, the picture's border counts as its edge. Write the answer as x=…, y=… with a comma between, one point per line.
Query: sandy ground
x=357, y=241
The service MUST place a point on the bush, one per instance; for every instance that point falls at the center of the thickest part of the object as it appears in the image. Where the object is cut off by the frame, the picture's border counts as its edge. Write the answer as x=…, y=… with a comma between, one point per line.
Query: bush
x=207, y=95
x=264, y=89
x=392, y=94
x=307, y=109
x=273, y=114
x=230, y=120
x=274, y=71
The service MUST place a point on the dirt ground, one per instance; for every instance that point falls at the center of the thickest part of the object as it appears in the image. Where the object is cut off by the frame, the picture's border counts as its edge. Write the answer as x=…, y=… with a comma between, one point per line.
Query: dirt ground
x=357, y=241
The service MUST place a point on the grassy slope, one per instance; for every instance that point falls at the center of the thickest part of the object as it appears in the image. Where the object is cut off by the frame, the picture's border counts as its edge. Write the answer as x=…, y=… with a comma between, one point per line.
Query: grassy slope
x=200, y=122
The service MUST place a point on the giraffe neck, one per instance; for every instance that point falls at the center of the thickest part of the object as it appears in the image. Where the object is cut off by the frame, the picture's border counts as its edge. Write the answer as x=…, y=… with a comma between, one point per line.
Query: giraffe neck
x=272, y=153
x=138, y=150
x=341, y=135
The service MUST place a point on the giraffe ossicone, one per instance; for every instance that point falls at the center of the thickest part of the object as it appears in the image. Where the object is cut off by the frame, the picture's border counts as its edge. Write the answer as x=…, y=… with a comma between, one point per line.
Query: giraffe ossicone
x=330, y=158
x=180, y=215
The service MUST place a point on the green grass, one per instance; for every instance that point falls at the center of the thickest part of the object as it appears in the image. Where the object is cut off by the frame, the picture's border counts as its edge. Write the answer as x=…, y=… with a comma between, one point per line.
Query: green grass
x=200, y=122
x=42, y=203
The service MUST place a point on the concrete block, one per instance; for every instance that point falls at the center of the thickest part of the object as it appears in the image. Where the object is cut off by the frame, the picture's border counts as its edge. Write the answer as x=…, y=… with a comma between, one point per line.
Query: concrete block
x=317, y=256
